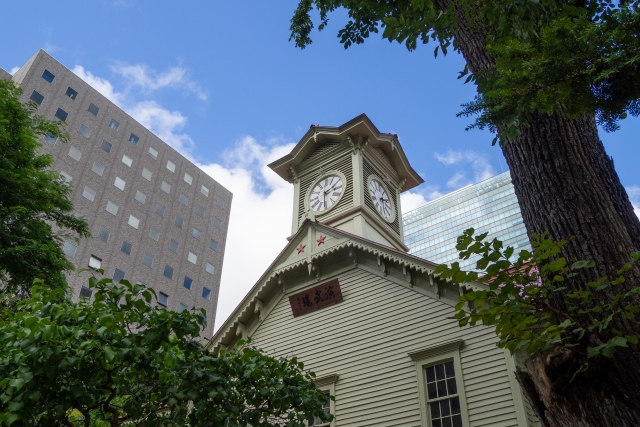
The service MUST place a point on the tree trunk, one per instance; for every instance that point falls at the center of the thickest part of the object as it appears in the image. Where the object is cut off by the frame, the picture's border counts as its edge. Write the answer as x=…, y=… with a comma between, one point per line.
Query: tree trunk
x=566, y=184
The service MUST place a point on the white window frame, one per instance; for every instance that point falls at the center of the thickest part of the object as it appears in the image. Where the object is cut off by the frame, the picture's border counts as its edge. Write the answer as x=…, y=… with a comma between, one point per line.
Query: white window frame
x=327, y=384
x=433, y=355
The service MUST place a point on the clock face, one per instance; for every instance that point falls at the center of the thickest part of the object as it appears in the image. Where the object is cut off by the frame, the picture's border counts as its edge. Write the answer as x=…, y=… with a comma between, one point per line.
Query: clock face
x=326, y=193
x=380, y=198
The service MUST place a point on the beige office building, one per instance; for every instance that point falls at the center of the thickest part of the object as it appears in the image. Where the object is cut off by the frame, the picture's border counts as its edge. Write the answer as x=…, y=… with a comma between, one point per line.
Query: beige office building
x=155, y=217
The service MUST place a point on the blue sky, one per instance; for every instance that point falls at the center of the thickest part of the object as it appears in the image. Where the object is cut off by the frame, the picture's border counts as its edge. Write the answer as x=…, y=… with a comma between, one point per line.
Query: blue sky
x=221, y=82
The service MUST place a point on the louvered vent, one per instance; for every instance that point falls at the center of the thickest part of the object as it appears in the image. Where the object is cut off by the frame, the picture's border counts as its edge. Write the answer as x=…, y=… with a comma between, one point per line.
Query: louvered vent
x=343, y=165
x=321, y=149
x=368, y=170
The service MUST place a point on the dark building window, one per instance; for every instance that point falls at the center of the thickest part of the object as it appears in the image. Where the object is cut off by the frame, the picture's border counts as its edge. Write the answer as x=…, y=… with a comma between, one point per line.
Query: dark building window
x=206, y=293
x=118, y=275
x=50, y=138
x=163, y=299
x=140, y=196
x=61, y=114
x=147, y=260
x=48, y=76
x=104, y=234
x=173, y=246
x=213, y=245
x=114, y=125
x=126, y=247
x=85, y=292
x=106, y=145
x=200, y=211
x=134, y=139
x=182, y=307
x=71, y=93
x=160, y=209
x=220, y=202
x=178, y=222
x=154, y=233
x=188, y=282
x=93, y=109
x=217, y=223
x=184, y=200
x=69, y=249
x=196, y=234
x=37, y=97
x=84, y=131
x=168, y=272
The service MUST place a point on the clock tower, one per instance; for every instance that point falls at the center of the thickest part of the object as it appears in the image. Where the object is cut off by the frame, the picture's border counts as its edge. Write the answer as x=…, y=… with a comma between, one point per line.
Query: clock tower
x=350, y=177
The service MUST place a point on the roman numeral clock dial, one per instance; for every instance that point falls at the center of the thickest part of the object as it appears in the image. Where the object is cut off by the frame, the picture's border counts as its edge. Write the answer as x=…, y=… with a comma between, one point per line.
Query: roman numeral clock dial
x=326, y=193
x=380, y=198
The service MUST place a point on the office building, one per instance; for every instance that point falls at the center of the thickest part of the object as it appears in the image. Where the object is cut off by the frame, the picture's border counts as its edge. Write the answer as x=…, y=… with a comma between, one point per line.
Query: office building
x=431, y=231
x=155, y=217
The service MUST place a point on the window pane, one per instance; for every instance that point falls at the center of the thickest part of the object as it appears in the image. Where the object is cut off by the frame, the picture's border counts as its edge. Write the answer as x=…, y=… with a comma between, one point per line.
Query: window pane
x=455, y=405
x=114, y=125
x=168, y=272
x=93, y=109
x=134, y=222
x=196, y=234
x=184, y=200
x=104, y=234
x=451, y=386
x=153, y=153
x=436, y=423
x=126, y=247
x=205, y=191
x=97, y=168
x=213, y=244
x=160, y=209
x=431, y=374
x=106, y=145
x=154, y=233
x=146, y=174
x=71, y=93
x=48, y=76
x=444, y=407
x=95, y=262
x=134, y=139
x=61, y=114
x=188, y=178
x=217, y=223
x=147, y=260
x=178, y=222
x=119, y=183
x=85, y=292
x=89, y=193
x=188, y=282
x=171, y=166
x=442, y=388
x=50, y=138
x=182, y=307
x=206, y=293
x=165, y=187
x=112, y=208
x=75, y=154
x=36, y=97
x=200, y=211
x=220, y=202
x=127, y=160
x=69, y=249
x=448, y=367
x=84, y=131
x=440, y=371
x=457, y=421
x=140, y=196
x=210, y=268
x=66, y=177
x=432, y=391
x=118, y=275
x=192, y=258
x=173, y=246
x=435, y=410
x=446, y=422
x=163, y=299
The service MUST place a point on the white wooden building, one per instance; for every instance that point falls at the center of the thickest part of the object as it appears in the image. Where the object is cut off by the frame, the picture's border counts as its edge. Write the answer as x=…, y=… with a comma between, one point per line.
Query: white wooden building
x=369, y=319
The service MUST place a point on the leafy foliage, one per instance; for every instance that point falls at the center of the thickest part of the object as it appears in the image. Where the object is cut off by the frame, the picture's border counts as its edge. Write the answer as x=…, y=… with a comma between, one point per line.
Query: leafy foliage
x=533, y=303
x=32, y=199
x=119, y=359
x=574, y=57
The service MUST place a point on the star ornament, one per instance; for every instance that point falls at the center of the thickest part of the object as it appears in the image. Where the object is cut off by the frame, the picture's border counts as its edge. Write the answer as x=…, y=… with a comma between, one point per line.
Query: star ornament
x=321, y=240
x=300, y=248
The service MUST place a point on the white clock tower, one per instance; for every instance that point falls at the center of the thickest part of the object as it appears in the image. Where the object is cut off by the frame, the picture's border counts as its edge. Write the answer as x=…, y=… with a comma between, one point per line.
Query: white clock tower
x=350, y=177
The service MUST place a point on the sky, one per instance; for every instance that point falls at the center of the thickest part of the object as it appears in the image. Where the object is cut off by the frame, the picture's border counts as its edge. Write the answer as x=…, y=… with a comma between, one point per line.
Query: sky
x=220, y=82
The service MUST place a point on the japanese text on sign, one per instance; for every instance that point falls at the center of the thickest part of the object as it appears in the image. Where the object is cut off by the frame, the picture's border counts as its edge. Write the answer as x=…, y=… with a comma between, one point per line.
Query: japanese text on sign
x=315, y=298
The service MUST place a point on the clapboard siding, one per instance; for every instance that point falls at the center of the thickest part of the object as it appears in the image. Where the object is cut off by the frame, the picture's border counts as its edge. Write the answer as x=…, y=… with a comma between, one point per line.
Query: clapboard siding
x=365, y=340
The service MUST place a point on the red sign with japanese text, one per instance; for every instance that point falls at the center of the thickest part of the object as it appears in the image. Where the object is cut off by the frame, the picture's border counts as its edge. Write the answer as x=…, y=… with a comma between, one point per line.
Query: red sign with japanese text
x=315, y=298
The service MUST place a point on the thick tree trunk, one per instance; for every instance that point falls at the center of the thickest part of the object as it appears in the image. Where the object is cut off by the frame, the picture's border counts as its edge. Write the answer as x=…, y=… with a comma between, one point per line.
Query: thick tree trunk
x=566, y=184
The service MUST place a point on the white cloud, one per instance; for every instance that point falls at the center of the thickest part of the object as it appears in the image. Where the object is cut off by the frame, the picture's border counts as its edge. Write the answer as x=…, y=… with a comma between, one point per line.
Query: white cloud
x=480, y=167
x=260, y=217
x=415, y=198
x=103, y=86
x=14, y=70
x=147, y=79
x=634, y=195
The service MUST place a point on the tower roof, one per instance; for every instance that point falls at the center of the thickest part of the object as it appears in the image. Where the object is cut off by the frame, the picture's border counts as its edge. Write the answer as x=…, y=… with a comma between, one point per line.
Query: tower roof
x=362, y=126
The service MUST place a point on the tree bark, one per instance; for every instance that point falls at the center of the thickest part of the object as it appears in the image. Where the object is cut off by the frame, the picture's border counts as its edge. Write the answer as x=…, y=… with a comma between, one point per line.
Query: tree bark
x=566, y=184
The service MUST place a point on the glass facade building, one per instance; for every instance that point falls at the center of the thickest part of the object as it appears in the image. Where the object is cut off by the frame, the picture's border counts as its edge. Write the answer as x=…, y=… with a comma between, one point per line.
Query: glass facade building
x=431, y=231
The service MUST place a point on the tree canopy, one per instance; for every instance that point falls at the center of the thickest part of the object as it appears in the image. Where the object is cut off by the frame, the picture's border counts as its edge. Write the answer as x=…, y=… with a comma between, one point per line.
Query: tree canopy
x=119, y=359
x=34, y=200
